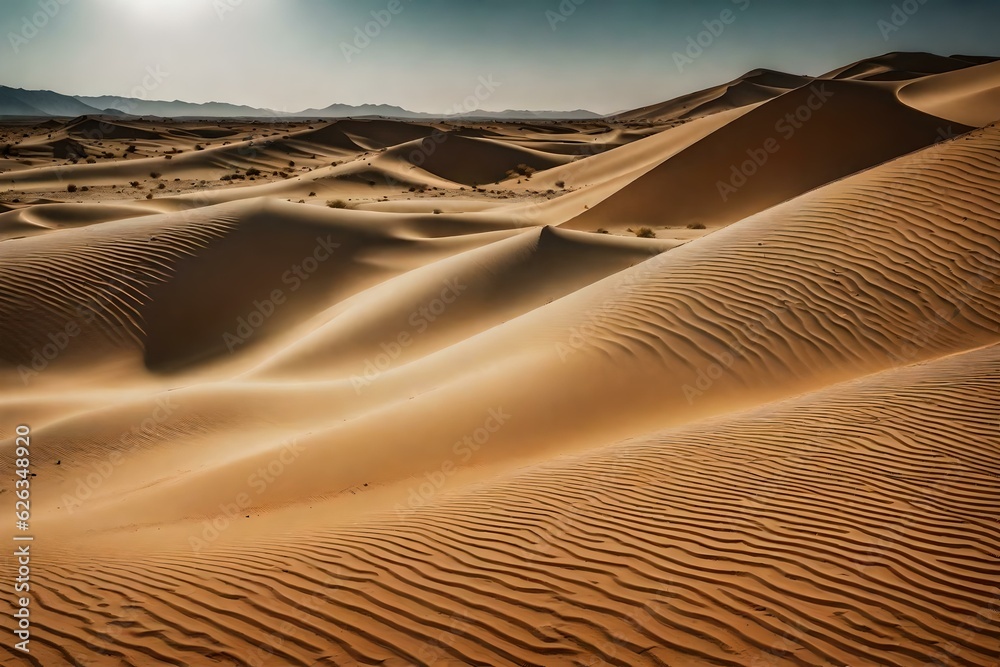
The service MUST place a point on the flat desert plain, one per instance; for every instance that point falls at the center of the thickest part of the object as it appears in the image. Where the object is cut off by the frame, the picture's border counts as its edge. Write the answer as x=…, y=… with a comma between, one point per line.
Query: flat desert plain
x=711, y=382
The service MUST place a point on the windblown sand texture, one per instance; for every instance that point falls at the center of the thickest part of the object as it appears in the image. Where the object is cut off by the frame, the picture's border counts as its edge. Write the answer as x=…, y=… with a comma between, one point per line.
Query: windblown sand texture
x=389, y=400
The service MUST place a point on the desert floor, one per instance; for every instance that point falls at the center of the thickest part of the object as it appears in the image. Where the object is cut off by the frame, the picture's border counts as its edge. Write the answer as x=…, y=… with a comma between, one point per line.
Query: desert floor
x=713, y=382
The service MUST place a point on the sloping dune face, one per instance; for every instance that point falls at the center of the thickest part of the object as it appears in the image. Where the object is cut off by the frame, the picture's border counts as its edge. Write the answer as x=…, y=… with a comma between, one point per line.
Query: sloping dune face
x=771, y=154
x=367, y=405
x=970, y=96
x=849, y=526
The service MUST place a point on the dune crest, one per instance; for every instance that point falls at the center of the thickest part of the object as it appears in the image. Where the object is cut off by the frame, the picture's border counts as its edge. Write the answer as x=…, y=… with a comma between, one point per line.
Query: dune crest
x=712, y=382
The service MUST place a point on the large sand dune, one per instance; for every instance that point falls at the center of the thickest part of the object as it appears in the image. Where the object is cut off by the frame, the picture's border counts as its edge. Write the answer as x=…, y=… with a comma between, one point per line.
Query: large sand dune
x=383, y=395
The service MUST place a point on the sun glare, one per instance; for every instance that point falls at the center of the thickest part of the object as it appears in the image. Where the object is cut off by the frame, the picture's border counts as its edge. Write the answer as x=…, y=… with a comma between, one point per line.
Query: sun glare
x=165, y=10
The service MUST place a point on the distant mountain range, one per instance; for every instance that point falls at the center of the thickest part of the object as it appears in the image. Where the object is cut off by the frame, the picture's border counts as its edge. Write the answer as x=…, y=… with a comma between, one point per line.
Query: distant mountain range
x=20, y=102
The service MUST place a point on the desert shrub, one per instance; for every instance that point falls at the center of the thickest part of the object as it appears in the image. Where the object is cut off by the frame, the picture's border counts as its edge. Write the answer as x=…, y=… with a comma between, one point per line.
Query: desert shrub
x=312, y=194
x=337, y=203
x=85, y=189
x=560, y=184
x=645, y=233
x=160, y=186
x=696, y=225
x=437, y=211
x=291, y=163
x=130, y=149
x=168, y=157
x=149, y=195
x=91, y=160
x=134, y=184
x=71, y=188
x=154, y=174
x=253, y=171
x=199, y=147
x=225, y=177
x=602, y=230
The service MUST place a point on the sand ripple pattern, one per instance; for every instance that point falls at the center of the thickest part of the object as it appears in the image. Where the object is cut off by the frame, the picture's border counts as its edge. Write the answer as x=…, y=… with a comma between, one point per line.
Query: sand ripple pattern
x=94, y=280
x=888, y=267
x=853, y=526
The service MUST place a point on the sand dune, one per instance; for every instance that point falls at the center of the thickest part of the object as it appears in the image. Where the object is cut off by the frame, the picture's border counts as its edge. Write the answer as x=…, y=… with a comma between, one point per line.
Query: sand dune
x=764, y=157
x=900, y=66
x=471, y=161
x=752, y=88
x=382, y=395
x=844, y=525
x=970, y=96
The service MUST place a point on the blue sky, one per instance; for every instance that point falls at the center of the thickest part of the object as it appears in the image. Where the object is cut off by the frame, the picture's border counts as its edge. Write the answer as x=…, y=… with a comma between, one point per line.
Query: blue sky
x=429, y=55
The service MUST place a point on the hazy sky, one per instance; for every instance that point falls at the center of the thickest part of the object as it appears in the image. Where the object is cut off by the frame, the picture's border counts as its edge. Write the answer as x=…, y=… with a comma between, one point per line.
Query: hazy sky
x=429, y=55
